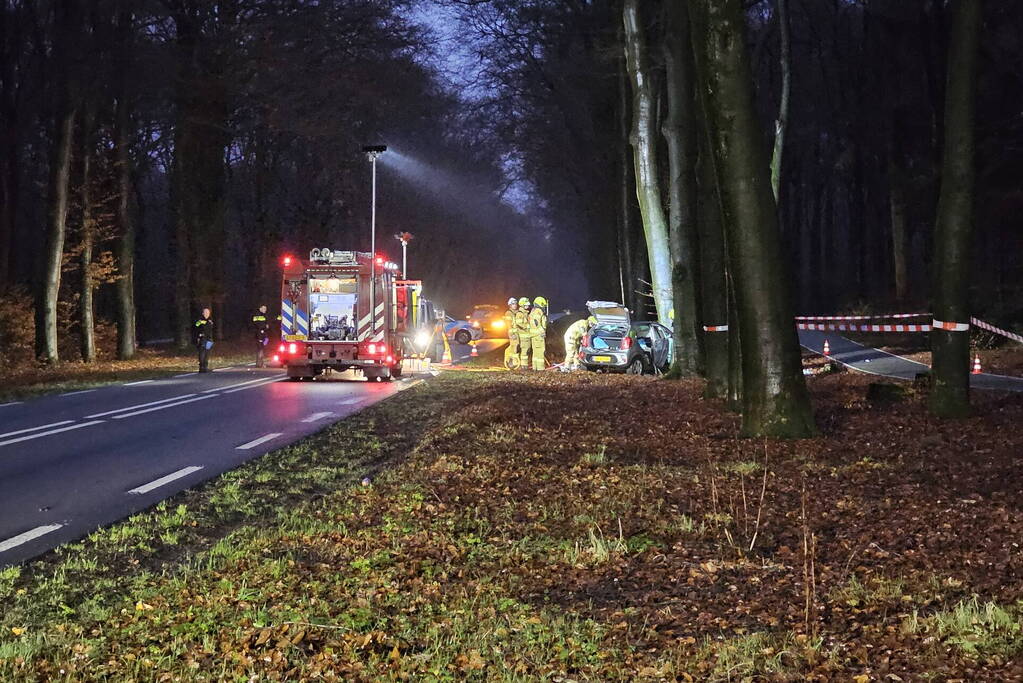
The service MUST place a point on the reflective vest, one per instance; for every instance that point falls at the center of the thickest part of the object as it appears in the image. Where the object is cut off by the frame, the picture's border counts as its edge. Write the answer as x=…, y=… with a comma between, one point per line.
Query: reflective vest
x=537, y=322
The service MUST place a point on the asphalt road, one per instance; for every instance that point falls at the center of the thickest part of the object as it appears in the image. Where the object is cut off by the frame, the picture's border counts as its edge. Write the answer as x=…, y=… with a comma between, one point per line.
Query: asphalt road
x=876, y=362
x=72, y=462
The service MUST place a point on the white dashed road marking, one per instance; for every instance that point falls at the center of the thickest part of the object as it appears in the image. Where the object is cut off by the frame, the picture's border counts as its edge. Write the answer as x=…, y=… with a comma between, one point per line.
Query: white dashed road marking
x=255, y=386
x=256, y=442
x=52, y=431
x=317, y=416
x=157, y=483
x=167, y=405
x=140, y=405
x=36, y=429
x=29, y=535
x=350, y=401
x=231, y=386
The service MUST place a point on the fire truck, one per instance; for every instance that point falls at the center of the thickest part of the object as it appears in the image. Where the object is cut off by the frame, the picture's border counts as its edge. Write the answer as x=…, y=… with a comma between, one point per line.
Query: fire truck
x=343, y=310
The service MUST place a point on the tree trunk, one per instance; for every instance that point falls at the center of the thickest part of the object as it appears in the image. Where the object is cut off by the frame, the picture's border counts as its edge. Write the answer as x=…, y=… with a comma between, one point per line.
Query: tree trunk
x=86, y=319
x=10, y=43
x=897, y=201
x=713, y=282
x=127, y=337
x=59, y=181
x=680, y=132
x=628, y=192
x=781, y=124
x=775, y=401
x=950, y=349
x=644, y=146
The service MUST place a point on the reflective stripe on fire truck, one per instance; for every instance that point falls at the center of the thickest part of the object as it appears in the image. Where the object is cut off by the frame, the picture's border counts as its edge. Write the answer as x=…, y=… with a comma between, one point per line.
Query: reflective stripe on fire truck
x=302, y=324
x=287, y=313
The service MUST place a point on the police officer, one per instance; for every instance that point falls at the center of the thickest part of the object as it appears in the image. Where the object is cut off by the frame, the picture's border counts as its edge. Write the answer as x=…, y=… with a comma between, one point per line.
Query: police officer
x=538, y=332
x=261, y=329
x=573, y=339
x=203, y=337
x=523, y=332
x=512, y=352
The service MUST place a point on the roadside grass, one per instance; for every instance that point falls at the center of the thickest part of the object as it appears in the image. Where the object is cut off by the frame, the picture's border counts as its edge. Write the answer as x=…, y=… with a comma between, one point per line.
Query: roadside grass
x=491, y=544
x=22, y=382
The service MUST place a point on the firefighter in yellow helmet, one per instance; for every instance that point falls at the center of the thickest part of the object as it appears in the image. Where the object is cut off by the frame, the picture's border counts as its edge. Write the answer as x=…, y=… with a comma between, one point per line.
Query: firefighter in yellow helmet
x=523, y=331
x=512, y=352
x=538, y=332
x=573, y=340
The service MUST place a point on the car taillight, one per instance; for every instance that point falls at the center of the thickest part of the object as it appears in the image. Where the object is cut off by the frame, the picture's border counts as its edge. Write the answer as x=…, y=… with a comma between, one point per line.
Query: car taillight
x=586, y=340
x=626, y=343
x=292, y=348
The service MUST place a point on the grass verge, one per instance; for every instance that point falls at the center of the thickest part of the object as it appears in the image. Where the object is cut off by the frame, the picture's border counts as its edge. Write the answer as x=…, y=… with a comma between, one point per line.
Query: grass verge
x=555, y=526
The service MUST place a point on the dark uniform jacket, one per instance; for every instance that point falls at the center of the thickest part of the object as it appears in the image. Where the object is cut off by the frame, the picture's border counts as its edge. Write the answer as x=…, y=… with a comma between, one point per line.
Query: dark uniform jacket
x=203, y=331
x=260, y=326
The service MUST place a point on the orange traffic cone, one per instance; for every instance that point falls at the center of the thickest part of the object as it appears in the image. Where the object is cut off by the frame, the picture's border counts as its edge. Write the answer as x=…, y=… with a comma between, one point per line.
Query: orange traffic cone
x=976, y=365
x=446, y=356
x=474, y=353
x=827, y=348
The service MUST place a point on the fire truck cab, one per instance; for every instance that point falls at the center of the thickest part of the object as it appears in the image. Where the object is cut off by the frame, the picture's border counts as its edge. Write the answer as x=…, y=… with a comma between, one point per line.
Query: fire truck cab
x=342, y=310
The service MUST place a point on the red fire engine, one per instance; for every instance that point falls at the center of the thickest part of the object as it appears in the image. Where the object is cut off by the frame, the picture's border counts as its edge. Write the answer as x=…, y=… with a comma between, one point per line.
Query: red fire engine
x=333, y=318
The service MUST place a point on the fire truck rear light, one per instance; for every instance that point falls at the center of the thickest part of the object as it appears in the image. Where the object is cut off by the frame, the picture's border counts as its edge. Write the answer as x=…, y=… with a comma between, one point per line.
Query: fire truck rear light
x=382, y=349
x=292, y=348
x=380, y=261
x=372, y=349
x=282, y=348
x=390, y=359
x=277, y=359
x=287, y=261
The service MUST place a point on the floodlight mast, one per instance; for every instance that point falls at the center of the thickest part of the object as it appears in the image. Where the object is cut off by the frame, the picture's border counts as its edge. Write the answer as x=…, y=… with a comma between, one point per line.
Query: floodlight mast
x=404, y=238
x=372, y=152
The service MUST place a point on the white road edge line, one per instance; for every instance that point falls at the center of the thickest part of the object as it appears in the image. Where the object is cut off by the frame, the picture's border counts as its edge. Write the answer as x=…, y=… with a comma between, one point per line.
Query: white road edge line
x=231, y=386
x=135, y=384
x=76, y=393
x=29, y=535
x=167, y=405
x=52, y=431
x=12, y=403
x=318, y=416
x=350, y=401
x=157, y=483
x=256, y=442
x=139, y=405
x=36, y=429
x=185, y=374
x=256, y=386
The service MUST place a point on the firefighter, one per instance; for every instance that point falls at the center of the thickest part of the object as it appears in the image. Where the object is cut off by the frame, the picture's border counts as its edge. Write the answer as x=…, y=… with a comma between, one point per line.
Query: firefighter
x=522, y=331
x=513, y=336
x=538, y=332
x=261, y=329
x=573, y=339
x=203, y=337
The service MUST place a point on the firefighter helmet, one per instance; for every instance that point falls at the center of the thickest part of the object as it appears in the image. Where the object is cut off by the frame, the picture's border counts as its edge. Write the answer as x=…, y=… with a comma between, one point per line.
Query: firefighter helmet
x=524, y=301
x=540, y=301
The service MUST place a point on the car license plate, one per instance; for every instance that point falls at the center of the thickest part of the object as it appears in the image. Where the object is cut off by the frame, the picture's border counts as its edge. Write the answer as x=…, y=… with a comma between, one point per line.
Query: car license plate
x=602, y=359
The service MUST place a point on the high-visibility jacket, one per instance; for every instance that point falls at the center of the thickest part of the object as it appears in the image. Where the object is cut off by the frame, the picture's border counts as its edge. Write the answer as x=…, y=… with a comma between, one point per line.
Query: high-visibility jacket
x=522, y=324
x=537, y=322
x=509, y=324
x=576, y=331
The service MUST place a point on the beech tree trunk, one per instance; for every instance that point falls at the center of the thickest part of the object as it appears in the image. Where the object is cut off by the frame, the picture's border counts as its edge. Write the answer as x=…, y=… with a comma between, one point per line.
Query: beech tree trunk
x=127, y=340
x=60, y=177
x=628, y=192
x=950, y=390
x=774, y=397
x=781, y=124
x=680, y=132
x=86, y=317
x=644, y=147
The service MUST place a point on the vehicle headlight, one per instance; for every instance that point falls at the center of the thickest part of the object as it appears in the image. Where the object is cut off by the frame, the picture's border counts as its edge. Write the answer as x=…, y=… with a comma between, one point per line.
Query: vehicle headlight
x=422, y=339
x=497, y=324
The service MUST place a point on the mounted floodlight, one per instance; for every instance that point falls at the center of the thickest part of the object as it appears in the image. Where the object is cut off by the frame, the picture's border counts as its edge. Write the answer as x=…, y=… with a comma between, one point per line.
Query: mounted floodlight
x=373, y=151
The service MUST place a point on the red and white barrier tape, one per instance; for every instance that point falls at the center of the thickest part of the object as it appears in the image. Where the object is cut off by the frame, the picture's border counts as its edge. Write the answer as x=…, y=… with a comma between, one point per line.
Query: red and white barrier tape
x=890, y=316
x=997, y=330
x=864, y=328
x=715, y=328
x=950, y=327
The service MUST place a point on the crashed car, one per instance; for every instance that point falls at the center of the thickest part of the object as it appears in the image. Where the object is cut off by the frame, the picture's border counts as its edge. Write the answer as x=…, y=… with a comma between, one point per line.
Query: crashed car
x=460, y=331
x=618, y=344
